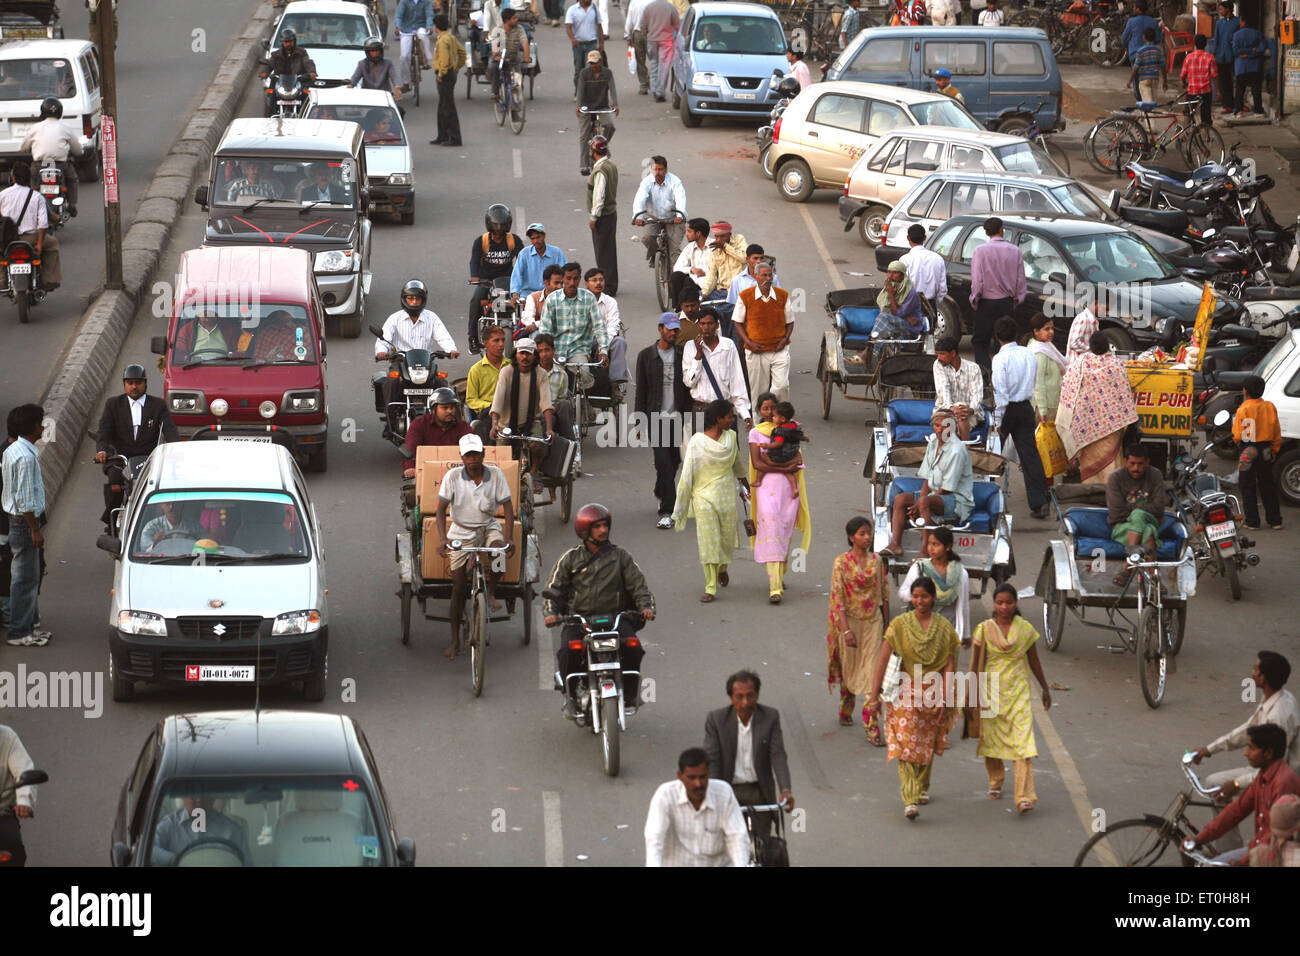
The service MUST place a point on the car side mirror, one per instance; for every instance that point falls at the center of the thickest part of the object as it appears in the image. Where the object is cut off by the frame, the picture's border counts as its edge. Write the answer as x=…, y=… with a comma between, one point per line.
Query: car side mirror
x=109, y=543
x=1112, y=200
x=158, y=345
x=120, y=854
x=406, y=852
x=266, y=44
x=201, y=196
x=365, y=198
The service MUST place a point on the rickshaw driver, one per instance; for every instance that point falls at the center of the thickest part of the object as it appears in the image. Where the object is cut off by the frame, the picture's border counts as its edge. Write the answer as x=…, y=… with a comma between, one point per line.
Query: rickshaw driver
x=948, y=483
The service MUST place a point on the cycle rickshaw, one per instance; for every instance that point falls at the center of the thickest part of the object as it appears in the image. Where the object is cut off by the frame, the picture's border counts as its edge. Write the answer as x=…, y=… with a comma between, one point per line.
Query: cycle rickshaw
x=893, y=364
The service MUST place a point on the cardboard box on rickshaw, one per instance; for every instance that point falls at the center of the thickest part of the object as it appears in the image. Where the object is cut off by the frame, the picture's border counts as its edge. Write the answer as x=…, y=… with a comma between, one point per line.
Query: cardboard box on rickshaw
x=432, y=462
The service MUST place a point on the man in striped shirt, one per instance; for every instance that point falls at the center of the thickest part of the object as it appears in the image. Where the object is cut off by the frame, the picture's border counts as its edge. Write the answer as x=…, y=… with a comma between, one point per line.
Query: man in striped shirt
x=23, y=500
x=1148, y=66
x=695, y=821
x=1198, y=74
x=252, y=186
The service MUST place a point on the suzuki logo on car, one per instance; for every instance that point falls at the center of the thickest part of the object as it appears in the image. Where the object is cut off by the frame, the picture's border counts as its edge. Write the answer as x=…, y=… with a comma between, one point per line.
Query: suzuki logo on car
x=219, y=630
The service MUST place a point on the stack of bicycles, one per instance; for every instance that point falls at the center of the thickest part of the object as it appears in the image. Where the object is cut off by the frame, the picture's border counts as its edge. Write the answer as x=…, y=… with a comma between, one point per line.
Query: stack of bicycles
x=1131, y=135
x=1091, y=28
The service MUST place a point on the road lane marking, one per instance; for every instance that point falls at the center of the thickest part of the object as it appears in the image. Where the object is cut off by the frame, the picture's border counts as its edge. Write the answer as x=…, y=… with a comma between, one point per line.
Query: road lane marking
x=821, y=247
x=520, y=217
x=545, y=658
x=519, y=163
x=554, y=835
x=1073, y=781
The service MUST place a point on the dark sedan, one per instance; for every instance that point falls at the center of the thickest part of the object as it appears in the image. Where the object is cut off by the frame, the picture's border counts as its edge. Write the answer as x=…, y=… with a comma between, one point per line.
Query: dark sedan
x=248, y=788
x=1069, y=262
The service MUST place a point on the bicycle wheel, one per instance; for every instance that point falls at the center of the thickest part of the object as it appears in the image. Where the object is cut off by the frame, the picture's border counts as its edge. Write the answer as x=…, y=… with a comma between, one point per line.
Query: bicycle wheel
x=517, y=106
x=1103, y=44
x=1114, y=143
x=1054, y=607
x=1175, y=628
x=415, y=70
x=405, y=595
x=1153, y=662
x=662, y=269
x=499, y=104
x=1130, y=843
x=478, y=640
x=1202, y=144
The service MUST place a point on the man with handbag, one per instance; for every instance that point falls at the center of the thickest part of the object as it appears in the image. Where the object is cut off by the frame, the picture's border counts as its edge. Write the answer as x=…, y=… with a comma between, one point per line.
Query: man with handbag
x=662, y=400
x=25, y=209
x=711, y=368
x=746, y=748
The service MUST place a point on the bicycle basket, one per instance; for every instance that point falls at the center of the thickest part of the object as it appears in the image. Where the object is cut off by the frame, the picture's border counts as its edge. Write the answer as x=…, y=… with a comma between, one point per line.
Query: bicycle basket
x=772, y=851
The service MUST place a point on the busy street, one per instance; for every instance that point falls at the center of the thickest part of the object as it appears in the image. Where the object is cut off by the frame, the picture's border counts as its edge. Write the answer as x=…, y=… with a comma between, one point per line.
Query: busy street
x=490, y=770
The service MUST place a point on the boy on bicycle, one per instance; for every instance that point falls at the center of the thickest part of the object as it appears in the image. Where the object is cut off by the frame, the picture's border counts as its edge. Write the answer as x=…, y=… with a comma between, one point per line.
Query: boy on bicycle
x=509, y=35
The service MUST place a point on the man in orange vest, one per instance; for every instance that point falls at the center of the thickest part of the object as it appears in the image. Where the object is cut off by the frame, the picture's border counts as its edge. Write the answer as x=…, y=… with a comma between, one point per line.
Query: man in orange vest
x=763, y=319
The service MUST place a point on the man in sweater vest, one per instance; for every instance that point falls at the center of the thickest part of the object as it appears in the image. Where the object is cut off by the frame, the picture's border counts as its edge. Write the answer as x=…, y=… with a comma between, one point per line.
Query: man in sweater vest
x=602, y=211
x=763, y=319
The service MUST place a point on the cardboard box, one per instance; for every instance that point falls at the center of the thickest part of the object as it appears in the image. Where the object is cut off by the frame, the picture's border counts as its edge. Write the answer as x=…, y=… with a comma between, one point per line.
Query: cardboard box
x=492, y=454
x=431, y=476
x=435, y=567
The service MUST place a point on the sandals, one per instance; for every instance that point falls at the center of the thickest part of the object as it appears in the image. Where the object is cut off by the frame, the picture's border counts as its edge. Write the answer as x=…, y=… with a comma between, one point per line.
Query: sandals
x=724, y=578
x=925, y=798
x=995, y=793
x=892, y=552
x=774, y=599
x=707, y=598
x=846, y=721
x=911, y=811
x=1024, y=807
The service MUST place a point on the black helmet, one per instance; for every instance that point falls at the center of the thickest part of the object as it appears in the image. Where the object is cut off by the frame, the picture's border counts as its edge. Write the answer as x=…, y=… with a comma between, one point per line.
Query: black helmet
x=288, y=36
x=374, y=43
x=788, y=87
x=498, y=214
x=600, y=145
x=51, y=107
x=133, y=371
x=445, y=396
x=414, y=287
x=587, y=516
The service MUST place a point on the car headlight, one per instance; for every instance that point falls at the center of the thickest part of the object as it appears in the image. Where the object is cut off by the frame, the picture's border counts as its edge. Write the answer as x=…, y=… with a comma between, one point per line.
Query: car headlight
x=267, y=409
x=185, y=402
x=336, y=260
x=302, y=402
x=418, y=374
x=219, y=407
x=705, y=79
x=141, y=622
x=399, y=179
x=296, y=622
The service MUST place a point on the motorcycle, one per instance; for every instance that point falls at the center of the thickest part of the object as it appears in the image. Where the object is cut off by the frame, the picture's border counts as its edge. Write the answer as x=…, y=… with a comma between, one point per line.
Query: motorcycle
x=130, y=468
x=286, y=94
x=417, y=378
x=22, y=277
x=501, y=308
x=55, y=193
x=766, y=135
x=1212, y=515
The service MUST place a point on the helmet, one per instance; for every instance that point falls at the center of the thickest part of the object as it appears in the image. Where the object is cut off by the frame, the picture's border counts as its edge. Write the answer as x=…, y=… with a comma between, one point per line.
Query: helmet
x=288, y=36
x=133, y=371
x=414, y=287
x=788, y=87
x=445, y=396
x=51, y=107
x=374, y=43
x=587, y=516
x=498, y=214
x=600, y=145
x=944, y=72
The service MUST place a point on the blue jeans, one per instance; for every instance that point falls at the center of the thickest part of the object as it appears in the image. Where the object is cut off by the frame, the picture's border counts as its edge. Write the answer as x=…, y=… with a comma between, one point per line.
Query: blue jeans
x=24, y=578
x=580, y=59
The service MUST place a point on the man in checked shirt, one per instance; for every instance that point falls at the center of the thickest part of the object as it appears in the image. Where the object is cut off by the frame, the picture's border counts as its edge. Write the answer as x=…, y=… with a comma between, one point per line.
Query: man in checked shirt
x=695, y=821
x=1198, y=74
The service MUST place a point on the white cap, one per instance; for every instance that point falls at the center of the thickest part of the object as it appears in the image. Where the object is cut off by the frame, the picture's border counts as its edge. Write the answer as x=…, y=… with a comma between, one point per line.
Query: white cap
x=469, y=443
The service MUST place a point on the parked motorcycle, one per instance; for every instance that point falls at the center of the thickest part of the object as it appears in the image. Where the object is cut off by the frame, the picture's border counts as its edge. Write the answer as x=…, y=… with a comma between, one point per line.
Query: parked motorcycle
x=22, y=277
x=787, y=89
x=416, y=377
x=55, y=193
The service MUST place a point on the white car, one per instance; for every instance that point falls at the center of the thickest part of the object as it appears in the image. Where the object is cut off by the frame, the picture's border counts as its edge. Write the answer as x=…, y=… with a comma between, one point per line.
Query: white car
x=389, y=166
x=30, y=71
x=332, y=32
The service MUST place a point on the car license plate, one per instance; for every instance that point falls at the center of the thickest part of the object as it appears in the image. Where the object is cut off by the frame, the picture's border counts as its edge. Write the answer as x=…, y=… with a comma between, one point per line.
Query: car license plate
x=20, y=268
x=49, y=190
x=419, y=391
x=209, y=672
x=1224, y=529
x=243, y=438
x=18, y=130
x=745, y=96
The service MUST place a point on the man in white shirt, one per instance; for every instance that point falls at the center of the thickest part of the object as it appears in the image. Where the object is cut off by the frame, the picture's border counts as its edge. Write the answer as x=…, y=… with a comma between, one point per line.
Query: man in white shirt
x=583, y=23
x=765, y=324
x=693, y=261
x=608, y=305
x=26, y=207
x=991, y=16
x=1015, y=370
x=50, y=139
x=17, y=803
x=723, y=360
x=695, y=821
x=635, y=37
x=412, y=327
x=958, y=386
x=925, y=268
x=552, y=279
x=754, y=255
x=661, y=195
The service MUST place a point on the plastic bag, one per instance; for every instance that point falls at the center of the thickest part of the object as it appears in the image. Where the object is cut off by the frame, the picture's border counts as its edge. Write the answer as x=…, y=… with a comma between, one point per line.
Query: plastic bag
x=631, y=60
x=1051, y=450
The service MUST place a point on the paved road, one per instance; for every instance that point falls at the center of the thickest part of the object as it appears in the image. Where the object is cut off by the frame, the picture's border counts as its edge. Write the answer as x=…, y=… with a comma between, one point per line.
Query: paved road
x=160, y=80
x=451, y=762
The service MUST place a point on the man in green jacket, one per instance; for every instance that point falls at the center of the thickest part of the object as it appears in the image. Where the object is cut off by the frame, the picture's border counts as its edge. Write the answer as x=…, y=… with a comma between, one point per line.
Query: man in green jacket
x=602, y=211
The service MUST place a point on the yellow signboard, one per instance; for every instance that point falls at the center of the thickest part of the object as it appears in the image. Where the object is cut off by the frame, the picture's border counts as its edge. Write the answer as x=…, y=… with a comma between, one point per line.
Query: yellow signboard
x=1164, y=399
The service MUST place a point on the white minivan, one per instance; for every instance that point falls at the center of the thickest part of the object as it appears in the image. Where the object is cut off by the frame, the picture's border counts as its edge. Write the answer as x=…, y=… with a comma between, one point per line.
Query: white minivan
x=220, y=573
x=30, y=71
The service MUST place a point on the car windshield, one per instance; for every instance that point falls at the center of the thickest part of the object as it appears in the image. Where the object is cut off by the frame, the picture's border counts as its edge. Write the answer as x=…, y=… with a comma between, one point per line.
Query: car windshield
x=943, y=113
x=265, y=821
x=36, y=79
x=738, y=33
x=1023, y=158
x=241, y=329
x=219, y=527
x=337, y=30
x=1117, y=257
x=1276, y=357
x=245, y=180
x=1077, y=201
x=382, y=125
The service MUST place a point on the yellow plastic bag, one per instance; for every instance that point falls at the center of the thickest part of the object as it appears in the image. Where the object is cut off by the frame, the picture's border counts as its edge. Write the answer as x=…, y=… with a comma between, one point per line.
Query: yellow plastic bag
x=1051, y=450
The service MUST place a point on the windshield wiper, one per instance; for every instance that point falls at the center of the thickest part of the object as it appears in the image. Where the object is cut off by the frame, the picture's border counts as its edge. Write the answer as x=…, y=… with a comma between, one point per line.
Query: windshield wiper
x=257, y=202
x=192, y=558
x=255, y=363
x=198, y=362
x=278, y=556
x=312, y=205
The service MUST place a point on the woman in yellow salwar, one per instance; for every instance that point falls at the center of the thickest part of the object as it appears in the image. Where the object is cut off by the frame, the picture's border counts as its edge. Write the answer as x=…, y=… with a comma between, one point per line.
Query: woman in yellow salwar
x=1004, y=647
x=920, y=716
x=706, y=491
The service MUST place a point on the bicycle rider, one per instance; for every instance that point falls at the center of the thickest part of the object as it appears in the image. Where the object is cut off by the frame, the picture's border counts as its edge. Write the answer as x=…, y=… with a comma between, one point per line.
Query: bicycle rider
x=661, y=195
x=595, y=92
x=412, y=19
x=510, y=35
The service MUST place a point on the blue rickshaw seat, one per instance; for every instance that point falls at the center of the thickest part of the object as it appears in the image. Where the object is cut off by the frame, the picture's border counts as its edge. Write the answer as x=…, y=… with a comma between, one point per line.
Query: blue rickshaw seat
x=1091, y=531
x=982, y=518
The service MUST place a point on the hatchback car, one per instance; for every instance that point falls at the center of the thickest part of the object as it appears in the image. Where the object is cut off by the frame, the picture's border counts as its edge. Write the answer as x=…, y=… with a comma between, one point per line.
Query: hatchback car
x=904, y=157
x=333, y=32
x=727, y=61
x=30, y=71
x=256, y=788
x=388, y=151
x=828, y=126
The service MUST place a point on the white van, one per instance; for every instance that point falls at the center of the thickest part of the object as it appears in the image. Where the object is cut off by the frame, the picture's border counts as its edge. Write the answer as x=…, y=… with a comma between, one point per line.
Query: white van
x=30, y=71
x=220, y=573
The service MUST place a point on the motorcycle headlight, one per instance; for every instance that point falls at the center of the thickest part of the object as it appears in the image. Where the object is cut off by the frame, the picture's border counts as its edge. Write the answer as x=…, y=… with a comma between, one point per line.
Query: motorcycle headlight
x=142, y=623
x=705, y=79
x=605, y=644
x=419, y=374
x=399, y=179
x=336, y=260
x=296, y=622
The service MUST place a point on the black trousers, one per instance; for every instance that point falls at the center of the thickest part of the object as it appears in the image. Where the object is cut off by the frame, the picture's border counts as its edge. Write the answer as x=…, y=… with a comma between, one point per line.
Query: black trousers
x=113, y=481
x=604, y=243
x=1020, y=422
x=481, y=293
x=11, y=839
x=571, y=662
x=1254, y=81
x=448, y=120
x=677, y=281
x=1207, y=106
x=667, y=458
x=1259, y=477
x=1227, y=95
x=554, y=9
x=987, y=312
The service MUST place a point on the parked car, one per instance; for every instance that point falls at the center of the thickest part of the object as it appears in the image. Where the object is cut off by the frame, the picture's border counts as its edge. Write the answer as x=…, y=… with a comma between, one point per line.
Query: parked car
x=1280, y=370
x=727, y=61
x=904, y=157
x=268, y=370
x=220, y=573
x=30, y=71
x=275, y=788
x=389, y=168
x=934, y=200
x=270, y=208
x=1003, y=73
x=333, y=32
x=1067, y=260
x=828, y=126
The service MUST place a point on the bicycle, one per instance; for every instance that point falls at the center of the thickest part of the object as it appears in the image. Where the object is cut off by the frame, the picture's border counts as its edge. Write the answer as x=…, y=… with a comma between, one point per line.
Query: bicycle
x=414, y=62
x=769, y=850
x=1123, y=138
x=1142, y=841
x=581, y=381
x=660, y=261
x=1029, y=129
x=597, y=126
x=1101, y=27
x=510, y=94
x=476, y=614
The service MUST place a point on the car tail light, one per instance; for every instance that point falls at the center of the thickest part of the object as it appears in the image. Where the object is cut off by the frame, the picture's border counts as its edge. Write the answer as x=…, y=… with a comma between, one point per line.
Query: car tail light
x=634, y=642
x=884, y=232
x=847, y=180
x=85, y=125
x=776, y=130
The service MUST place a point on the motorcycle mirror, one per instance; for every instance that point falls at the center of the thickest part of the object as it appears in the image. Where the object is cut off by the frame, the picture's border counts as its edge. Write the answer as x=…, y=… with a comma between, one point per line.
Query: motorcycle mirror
x=106, y=542
x=1221, y=418
x=158, y=345
x=376, y=331
x=30, y=778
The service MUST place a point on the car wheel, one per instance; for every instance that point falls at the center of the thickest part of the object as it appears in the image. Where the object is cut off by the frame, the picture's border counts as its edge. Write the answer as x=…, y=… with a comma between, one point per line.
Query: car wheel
x=318, y=461
x=676, y=93
x=765, y=161
x=1014, y=125
x=88, y=168
x=871, y=225
x=123, y=689
x=1119, y=338
x=313, y=687
x=689, y=119
x=408, y=216
x=948, y=323
x=1287, y=470
x=795, y=181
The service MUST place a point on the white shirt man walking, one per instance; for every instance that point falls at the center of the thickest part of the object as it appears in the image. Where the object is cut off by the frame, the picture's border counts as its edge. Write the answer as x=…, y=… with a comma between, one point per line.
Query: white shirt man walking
x=925, y=268
x=695, y=821
x=711, y=368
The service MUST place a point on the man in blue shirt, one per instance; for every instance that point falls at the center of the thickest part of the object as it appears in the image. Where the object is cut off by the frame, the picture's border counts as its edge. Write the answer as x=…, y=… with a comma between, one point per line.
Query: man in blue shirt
x=530, y=264
x=23, y=500
x=1221, y=48
x=1248, y=51
x=1135, y=29
x=413, y=20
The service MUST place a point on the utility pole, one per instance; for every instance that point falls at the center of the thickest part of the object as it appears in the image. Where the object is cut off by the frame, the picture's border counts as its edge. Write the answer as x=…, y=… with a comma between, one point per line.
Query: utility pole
x=106, y=40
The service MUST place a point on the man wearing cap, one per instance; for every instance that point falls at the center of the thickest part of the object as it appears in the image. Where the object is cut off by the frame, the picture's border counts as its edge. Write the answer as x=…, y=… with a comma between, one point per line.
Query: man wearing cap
x=692, y=262
x=441, y=425
x=754, y=255
x=595, y=85
x=522, y=402
x=662, y=196
x=765, y=324
x=943, y=83
x=661, y=400
x=711, y=368
x=602, y=211
x=133, y=424
x=471, y=495
x=530, y=265
x=727, y=260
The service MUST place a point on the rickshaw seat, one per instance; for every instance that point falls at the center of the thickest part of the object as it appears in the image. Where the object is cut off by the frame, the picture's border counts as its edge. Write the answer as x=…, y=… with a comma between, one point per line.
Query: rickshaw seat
x=982, y=518
x=1091, y=531
x=908, y=420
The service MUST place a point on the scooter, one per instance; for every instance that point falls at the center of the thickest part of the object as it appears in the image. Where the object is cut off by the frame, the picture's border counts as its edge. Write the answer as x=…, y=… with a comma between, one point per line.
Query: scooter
x=55, y=194
x=21, y=277
x=417, y=377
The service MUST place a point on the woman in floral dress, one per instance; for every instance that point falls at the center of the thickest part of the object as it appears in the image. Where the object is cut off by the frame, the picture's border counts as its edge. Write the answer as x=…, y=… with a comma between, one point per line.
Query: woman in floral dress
x=1097, y=404
x=859, y=608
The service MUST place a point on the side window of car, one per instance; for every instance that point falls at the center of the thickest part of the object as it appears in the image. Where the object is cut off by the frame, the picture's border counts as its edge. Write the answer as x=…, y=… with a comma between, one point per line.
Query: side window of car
x=688, y=23
x=877, y=161
x=840, y=112
x=1293, y=387
x=967, y=157
x=884, y=55
x=1017, y=59
x=92, y=58
x=943, y=242
x=920, y=206
x=923, y=156
x=141, y=781
x=1041, y=257
x=963, y=59
x=896, y=161
x=885, y=117
x=973, y=242
x=942, y=208
x=1024, y=199
x=971, y=199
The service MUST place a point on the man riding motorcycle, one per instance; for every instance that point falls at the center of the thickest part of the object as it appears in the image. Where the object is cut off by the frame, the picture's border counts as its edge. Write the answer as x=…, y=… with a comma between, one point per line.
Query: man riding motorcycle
x=133, y=424
x=376, y=72
x=443, y=425
x=598, y=579
x=50, y=139
x=491, y=260
x=287, y=59
x=411, y=327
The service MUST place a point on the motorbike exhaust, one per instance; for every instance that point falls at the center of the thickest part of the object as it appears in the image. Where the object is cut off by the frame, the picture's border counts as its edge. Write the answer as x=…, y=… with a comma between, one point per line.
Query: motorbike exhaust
x=1252, y=559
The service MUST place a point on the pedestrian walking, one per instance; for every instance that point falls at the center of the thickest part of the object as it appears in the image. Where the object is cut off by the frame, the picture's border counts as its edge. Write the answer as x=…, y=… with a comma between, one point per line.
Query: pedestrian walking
x=855, y=627
x=663, y=400
x=582, y=22
x=595, y=92
x=634, y=36
x=780, y=498
x=1051, y=366
x=1004, y=649
x=706, y=492
x=1198, y=73
x=695, y=821
x=1248, y=49
x=1135, y=28
x=1148, y=67
x=711, y=366
x=602, y=211
x=23, y=500
x=1224, y=59
x=798, y=68
x=991, y=16
x=1258, y=435
x=997, y=286
x=660, y=22
x=448, y=60
x=765, y=324
x=1015, y=373
x=849, y=23
x=16, y=804
x=747, y=750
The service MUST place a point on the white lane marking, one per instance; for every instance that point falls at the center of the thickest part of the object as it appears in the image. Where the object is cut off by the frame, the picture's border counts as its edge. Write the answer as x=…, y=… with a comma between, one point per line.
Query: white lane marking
x=518, y=158
x=821, y=247
x=554, y=835
x=1073, y=781
x=520, y=217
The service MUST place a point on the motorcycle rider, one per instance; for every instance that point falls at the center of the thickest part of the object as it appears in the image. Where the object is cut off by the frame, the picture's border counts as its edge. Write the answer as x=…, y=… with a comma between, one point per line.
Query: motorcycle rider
x=442, y=425
x=411, y=327
x=50, y=139
x=375, y=71
x=491, y=260
x=594, y=577
x=287, y=59
x=133, y=424
x=26, y=207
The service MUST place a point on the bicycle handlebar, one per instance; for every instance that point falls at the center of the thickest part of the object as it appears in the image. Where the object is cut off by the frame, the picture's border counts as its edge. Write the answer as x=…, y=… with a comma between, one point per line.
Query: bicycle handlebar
x=1195, y=781
x=583, y=109
x=508, y=435
x=761, y=808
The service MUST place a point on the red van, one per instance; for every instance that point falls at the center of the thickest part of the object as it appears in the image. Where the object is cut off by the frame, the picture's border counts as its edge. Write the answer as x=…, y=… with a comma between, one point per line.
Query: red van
x=244, y=354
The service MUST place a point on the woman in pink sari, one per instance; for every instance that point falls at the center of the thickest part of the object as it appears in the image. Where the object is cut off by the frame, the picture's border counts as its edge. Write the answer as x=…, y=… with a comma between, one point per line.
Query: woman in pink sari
x=1097, y=404
x=778, y=510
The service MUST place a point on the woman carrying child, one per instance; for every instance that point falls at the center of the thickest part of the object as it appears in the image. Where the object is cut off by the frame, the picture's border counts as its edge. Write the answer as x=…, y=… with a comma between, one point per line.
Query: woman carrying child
x=780, y=495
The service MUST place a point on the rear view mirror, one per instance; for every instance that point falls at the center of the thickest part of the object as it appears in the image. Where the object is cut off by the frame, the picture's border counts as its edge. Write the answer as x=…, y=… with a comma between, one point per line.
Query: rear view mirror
x=201, y=196
x=1221, y=418
x=406, y=852
x=106, y=542
x=158, y=345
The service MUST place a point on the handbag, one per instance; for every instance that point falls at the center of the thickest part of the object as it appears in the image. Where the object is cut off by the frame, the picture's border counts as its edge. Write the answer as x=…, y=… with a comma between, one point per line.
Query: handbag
x=893, y=679
x=10, y=229
x=1051, y=450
